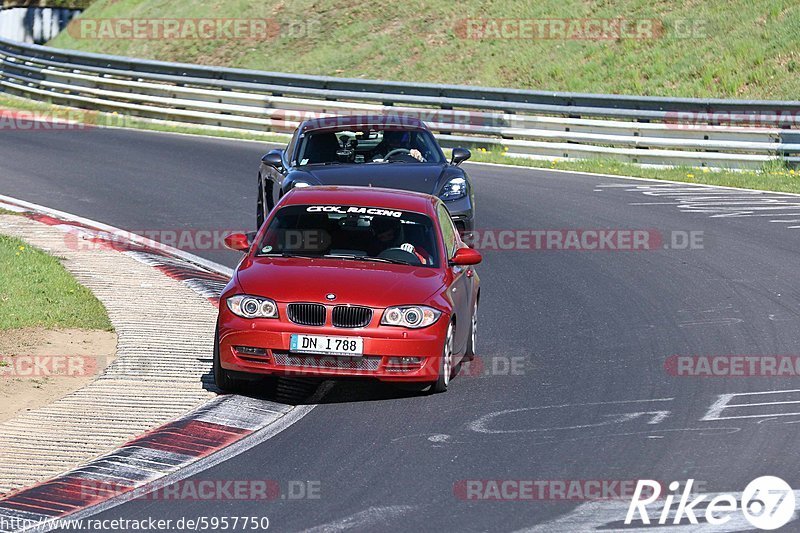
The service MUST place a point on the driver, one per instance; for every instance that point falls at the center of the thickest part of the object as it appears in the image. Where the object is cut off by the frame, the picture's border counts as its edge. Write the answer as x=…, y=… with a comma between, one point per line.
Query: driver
x=389, y=234
x=394, y=139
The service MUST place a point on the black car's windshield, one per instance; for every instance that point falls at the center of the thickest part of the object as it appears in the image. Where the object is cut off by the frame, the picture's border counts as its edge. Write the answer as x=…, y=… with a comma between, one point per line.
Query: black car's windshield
x=368, y=145
x=351, y=233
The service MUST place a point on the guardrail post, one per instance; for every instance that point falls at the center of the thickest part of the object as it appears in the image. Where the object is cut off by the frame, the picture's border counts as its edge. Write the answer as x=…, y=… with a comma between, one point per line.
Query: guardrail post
x=789, y=137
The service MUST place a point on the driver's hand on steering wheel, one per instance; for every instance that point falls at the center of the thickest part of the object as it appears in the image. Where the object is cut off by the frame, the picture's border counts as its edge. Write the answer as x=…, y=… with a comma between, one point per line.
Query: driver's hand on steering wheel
x=416, y=154
x=407, y=247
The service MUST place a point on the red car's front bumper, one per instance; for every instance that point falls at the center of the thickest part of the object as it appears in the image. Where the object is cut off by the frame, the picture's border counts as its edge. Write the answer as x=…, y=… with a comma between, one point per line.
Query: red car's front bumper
x=381, y=343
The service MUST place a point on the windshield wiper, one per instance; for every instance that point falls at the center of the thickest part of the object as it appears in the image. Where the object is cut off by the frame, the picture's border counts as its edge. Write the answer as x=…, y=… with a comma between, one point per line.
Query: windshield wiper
x=366, y=258
x=325, y=164
x=286, y=254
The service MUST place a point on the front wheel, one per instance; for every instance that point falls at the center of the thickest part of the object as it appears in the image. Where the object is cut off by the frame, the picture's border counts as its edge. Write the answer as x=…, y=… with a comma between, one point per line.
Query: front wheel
x=473, y=334
x=222, y=377
x=266, y=199
x=260, y=213
x=445, y=364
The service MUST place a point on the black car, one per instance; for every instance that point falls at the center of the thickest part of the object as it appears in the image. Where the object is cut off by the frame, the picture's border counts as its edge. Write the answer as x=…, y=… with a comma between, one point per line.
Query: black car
x=378, y=152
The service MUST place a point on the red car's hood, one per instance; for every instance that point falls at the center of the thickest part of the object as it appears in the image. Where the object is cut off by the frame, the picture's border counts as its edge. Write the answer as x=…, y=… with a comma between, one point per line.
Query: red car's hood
x=353, y=282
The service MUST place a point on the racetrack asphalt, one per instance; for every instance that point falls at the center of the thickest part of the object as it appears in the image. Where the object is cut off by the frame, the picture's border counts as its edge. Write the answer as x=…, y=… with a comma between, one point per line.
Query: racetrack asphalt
x=587, y=333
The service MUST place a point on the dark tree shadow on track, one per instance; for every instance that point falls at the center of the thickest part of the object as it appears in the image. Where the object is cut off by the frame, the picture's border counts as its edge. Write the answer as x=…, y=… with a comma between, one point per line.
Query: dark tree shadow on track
x=299, y=390
x=292, y=390
x=285, y=390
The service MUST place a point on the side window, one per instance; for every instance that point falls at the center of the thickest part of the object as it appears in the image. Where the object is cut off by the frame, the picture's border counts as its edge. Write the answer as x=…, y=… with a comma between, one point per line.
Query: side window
x=448, y=230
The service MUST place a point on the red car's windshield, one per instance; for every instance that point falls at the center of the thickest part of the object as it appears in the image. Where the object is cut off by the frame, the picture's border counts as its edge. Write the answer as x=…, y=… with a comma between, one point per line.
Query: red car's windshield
x=351, y=232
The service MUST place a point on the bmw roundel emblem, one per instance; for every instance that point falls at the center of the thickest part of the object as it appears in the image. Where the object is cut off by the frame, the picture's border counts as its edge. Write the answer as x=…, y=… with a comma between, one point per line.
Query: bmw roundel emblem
x=330, y=296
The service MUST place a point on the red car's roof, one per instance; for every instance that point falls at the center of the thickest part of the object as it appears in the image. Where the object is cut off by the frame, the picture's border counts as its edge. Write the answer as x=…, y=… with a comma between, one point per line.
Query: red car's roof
x=382, y=121
x=363, y=197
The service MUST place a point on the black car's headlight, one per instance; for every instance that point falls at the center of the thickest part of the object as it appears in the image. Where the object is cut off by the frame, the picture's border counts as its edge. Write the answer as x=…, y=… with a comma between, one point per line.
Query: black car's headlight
x=454, y=189
x=252, y=306
x=410, y=316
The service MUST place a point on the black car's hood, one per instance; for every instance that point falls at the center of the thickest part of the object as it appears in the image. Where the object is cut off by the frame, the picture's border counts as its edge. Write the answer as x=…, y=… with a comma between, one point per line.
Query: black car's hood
x=417, y=177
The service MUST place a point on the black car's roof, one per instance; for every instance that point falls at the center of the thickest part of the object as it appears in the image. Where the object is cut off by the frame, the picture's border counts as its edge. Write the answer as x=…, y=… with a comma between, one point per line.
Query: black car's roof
x=393, y=121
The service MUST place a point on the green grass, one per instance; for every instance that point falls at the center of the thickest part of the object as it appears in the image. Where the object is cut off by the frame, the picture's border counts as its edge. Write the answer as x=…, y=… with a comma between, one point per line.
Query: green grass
x=711, y=48
x=36, y=291
x=22, y=104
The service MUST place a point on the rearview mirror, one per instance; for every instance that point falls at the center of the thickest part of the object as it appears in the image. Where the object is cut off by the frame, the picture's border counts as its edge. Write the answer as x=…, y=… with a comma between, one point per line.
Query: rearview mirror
x=466, y=256
x=238, y=242
x=460, y=155
x=273, y=158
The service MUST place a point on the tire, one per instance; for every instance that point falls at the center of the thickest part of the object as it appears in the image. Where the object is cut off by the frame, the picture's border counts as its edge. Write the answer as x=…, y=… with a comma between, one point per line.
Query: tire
x=445, y=364
x=222, y=377
x=269, y=196
x=473, y=334
x=261, y=215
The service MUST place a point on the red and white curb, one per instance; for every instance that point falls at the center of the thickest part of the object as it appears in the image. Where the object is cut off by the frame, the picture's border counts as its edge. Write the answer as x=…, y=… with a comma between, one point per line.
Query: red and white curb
x=221, y=428
x=203, y=277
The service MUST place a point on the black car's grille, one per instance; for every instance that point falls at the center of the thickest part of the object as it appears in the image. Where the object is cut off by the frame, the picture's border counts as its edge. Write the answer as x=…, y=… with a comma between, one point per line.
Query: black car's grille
x=345, y=316
x=306, y=314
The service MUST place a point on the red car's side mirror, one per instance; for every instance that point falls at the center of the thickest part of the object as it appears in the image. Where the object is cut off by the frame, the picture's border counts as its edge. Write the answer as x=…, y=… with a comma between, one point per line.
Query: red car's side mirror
x=466, y=256
x=238, y=242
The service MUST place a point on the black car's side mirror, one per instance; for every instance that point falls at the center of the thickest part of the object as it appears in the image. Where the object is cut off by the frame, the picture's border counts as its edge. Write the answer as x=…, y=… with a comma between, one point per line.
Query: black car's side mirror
x=273, y=158
x=460, y=155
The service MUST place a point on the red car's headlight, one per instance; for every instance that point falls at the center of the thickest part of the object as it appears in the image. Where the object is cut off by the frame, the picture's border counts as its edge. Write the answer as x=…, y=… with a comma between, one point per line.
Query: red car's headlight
x=252, y=306
x=410, y=316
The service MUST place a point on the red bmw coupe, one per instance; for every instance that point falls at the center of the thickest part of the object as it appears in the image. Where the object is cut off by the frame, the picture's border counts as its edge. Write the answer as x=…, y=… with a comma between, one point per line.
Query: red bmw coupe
x=350, y=281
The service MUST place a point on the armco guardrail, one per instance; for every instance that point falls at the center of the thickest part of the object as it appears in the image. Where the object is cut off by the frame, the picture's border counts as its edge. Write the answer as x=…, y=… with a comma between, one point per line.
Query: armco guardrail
x=646, y=130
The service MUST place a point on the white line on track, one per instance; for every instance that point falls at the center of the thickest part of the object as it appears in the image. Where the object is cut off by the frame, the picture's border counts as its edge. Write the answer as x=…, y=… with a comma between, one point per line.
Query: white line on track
x=714, y=202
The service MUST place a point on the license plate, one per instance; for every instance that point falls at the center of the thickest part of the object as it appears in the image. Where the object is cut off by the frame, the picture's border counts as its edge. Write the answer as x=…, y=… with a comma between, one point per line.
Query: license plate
x=324, y=345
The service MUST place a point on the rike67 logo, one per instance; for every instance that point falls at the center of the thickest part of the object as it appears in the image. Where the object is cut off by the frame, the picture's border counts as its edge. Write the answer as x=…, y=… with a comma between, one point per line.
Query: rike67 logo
x=767, y=503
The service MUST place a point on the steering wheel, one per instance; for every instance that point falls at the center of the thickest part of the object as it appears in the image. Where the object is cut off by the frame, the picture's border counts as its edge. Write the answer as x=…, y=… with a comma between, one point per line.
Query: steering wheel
x=398, y=254
x=397, y=151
